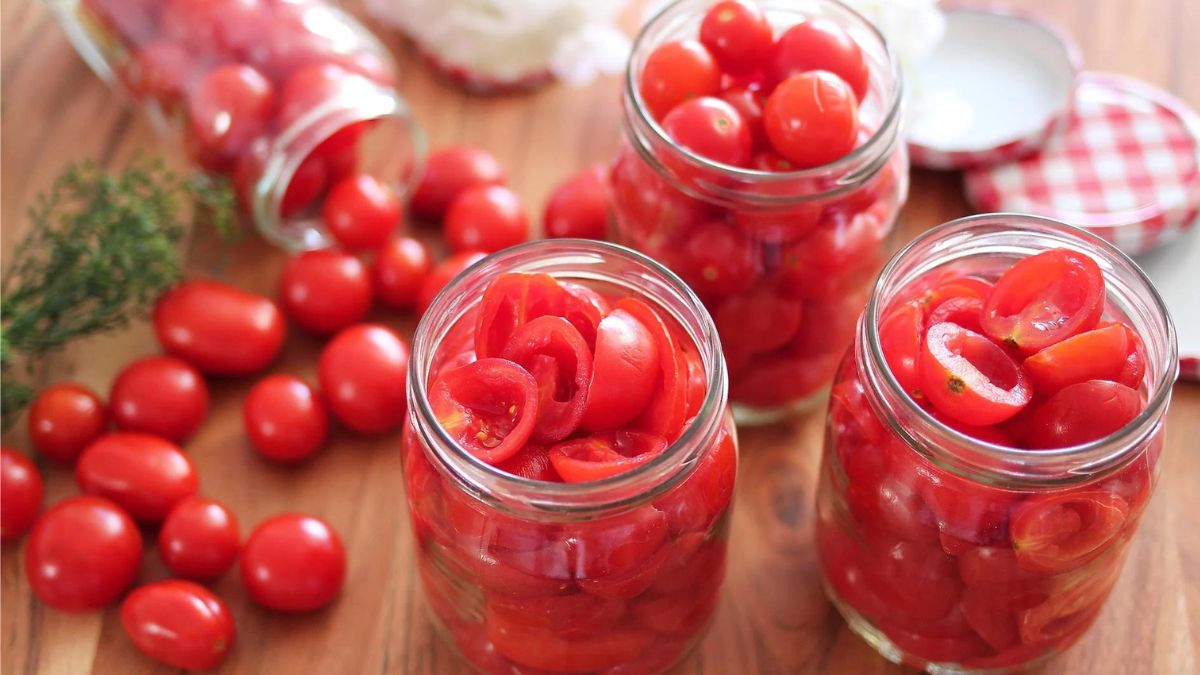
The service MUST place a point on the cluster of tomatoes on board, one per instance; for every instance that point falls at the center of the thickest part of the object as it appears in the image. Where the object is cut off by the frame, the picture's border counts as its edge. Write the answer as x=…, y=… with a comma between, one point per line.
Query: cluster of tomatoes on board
x=84, y=552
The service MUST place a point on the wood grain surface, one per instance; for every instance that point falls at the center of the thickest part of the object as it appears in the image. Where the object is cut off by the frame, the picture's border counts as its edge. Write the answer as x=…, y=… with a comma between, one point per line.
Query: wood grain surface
x=773, y=617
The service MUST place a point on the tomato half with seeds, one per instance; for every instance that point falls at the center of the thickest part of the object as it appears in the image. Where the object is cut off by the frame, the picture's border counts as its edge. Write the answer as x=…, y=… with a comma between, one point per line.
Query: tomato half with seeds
x=180, y=623
x=603, y=455
x=1081, y=413
x=624, y=372
x=510, y=300
x=667, y=410
x=1044, y=299
x=1063, y=531
x=489, y=407
x=554, y=352
x=1098, y=354
x=970, y=378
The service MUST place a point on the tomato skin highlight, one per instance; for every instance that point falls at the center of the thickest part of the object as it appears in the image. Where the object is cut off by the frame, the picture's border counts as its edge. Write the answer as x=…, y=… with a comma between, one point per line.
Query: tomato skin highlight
x=959, y=373
x=21, y=491
x=199, y=539
x=180, y=623
x=146, y=475
x=64, y=418
x=293, y=563
x=220, y=329
x=1044, y=299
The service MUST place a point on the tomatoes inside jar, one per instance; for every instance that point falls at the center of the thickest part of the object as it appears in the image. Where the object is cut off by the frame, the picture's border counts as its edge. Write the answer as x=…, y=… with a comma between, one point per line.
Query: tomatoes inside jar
x=570, y=461
x=1029, y=388
x=762, y=163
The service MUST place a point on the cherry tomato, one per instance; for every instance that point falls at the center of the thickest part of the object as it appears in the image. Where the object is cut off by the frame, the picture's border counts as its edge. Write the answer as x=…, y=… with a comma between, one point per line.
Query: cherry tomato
x=532, y=462
x=666, y=412
x=159, y=395
x=837, y=255
x=511, y=300
x=307, y=183
x=676, y=72
x=285, y=419
x=82, y=554
x=20, y=494
x=543, y=649
x=180, y=623
x=363, y=371
x=603, y=455
x=553, y=351
x=970, y=378
x=307, y=87
x=199, y=539
x=1083, y=412
x=448, y=172
x=399, y=268
x=1135, y=362
x=219, y=329
x=227, y=109
x=721, y=260
x=146, y=475
x=325, y=291
x=1044, y=299
x=584, y=309
x=489, y=407
x=965, y=312
x=485, y=218
x=1062, y=531
x=901, y=334
x=710, y=128
x=812, y=119
x=578, y=207
x=737, y=34
x=820, y=44
x=757, y=321
x=64, y=418
x=293, y=563
x=361, y=212
x=624, y=373
x=443, y=274
x=1098, y=354
x=749, y=104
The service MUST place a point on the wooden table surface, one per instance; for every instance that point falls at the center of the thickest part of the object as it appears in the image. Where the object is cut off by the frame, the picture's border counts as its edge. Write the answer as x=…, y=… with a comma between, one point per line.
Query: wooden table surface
x=773, y=617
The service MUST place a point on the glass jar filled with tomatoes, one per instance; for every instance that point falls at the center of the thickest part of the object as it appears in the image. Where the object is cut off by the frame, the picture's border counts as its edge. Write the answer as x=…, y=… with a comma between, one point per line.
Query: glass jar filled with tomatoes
x=993, y=438
x=287, y=99
x=763, y=163
x=570, y=461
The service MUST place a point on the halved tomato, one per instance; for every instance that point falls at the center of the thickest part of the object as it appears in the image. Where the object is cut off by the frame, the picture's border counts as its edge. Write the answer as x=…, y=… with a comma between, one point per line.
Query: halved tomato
x=1098, y=354
x=554, y=352
x=604, y=454
x=510, y=300
x=970, y=378
x=1063, y=531
x=489, y=407
x=1044, y=299
x=624, y=373
x=667, y=409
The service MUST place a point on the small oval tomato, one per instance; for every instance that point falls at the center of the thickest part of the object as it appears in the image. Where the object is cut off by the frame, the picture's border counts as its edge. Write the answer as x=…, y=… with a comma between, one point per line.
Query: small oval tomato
x=199, y=539
x=578, y=207
x=1081, y=413
x=448, y=172
x=180, y=623
x=603, y=455
x=737, y=34
x=675, y=72
x=443, y=274
x=1062, y=531
x=812, y=119
x=146, y=475
x=1044, y=299
x=20, y=494
x=1098, y=354
x=293, y=563
x=820, y=44
x=363, y=373
x=489, y=407
x=325, y=291
x=159, y=395
x=64, y=418
x=666, y=412
x=82, y=554
x=227, y=109
x=361, y=212
x=721, y=260
x=759, y=320
x=219, y=329
x=901, y=334
x=485, y=218
x=399, y=268
x=970, y=378
x=511, y=300
x=284, y=418
x=710, y=128
x=554, y=352
x=1135, y=362
x=624, y=372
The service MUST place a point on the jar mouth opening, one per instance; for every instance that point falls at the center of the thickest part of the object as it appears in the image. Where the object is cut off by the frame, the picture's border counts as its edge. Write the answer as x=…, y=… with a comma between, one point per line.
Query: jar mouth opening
x=1039, y=467
x=636, y=486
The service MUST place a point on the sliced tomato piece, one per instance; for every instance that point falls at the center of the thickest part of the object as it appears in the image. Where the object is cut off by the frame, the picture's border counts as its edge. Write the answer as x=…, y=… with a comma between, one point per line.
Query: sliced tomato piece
x=489, y=407
x=619, y=544
x=532, y=462
x=1081, y=413
x=992, y=609
x=625, y=372
x=1073, y=604
x=510, y=300
x=697, y=379
x=1135, y=362
x=584, y=309
x=694, y=504
x=901, y=334
x=984, y=565
x=667, y=410
x=1063, y=531
x=932, y=648
x=1044, y=299
x=544, y=650
x=570, y=615
x=604, y=454
x=552, y=350
x=916, y=581
x=1098, y=354
x=963, y=311
x=965, y=509
x=970, y=378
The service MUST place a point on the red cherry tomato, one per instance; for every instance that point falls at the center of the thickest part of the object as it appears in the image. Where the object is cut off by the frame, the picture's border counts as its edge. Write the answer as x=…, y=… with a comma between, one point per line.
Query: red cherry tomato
x=969, y=378
x=1135, y=362
x=82, y=554
x=146, y=475
x=159, y=395
x=285, y=419
x=1044, y=299
x=624, y=373
x=64, y=418
x=603, y=455
x=180, y=623
x=511, y=300
x=757, y=321
x=485, y=218
x=325, y=291
x=546, y=650
x=553, y=351
x=399, y=268
x=666, y=412
x=489, y=407
x=710, y=128
x=443, y=274
x=721, y=260
x=578, y=207
x=363, y=371
x=219, y=329
x=749, y=104
x=901, y=334
x=676, y=72
x=1083, y=412
x=228, y=109
x=584, y=309
x=1062, y=531
x=820, y=44
x=448, y=172
x=361, y=212
x=1098, y=354
x=838, y=254
x=199, y=540
x=965, y=312
x=307, y=183
x=20, y=494
x=738, y=35
x=532, y=462
x=310, y=85
x=812, y=119
x=293, y=563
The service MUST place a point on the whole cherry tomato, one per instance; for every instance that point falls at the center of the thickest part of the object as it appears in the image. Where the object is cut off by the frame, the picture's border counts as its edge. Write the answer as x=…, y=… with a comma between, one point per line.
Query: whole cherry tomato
x=531, y=462
x=285, y=419
x=901, y=334
x=624, y=372
x=310, y=85
x=20, y=494
x=227, y=109
x=489, y=407
x=146, y=475
x=546, y=650
x=1083, y=412
x=738, y=35
x=578, y=207
x=676, y=72
x=448, y=172
x=721, y=260
x=64, y=418
x=325, y=291
x=443, y=274
x=363, y=371
x=159, y=395
x=970, y=378
x=199, y=539
x=293, y=563
x=180, y=623
x=82, y=554
x=399, y=268
x=485, y=218
x=820, y=44
x=1044, y=299
x=219, y=329
x=710, y=128
x=604, y=455
x=361, y=212
x=812, y=119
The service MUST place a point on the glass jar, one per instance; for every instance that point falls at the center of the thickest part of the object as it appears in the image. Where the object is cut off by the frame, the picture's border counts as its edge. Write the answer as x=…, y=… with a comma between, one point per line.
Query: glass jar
x=533, y=576
x=783, y=260
x=284, y=97
x=953, y=554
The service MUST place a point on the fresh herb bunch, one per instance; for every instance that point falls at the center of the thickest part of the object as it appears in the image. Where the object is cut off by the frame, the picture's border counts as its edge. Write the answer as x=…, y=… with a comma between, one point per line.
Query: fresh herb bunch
x=100, y=250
